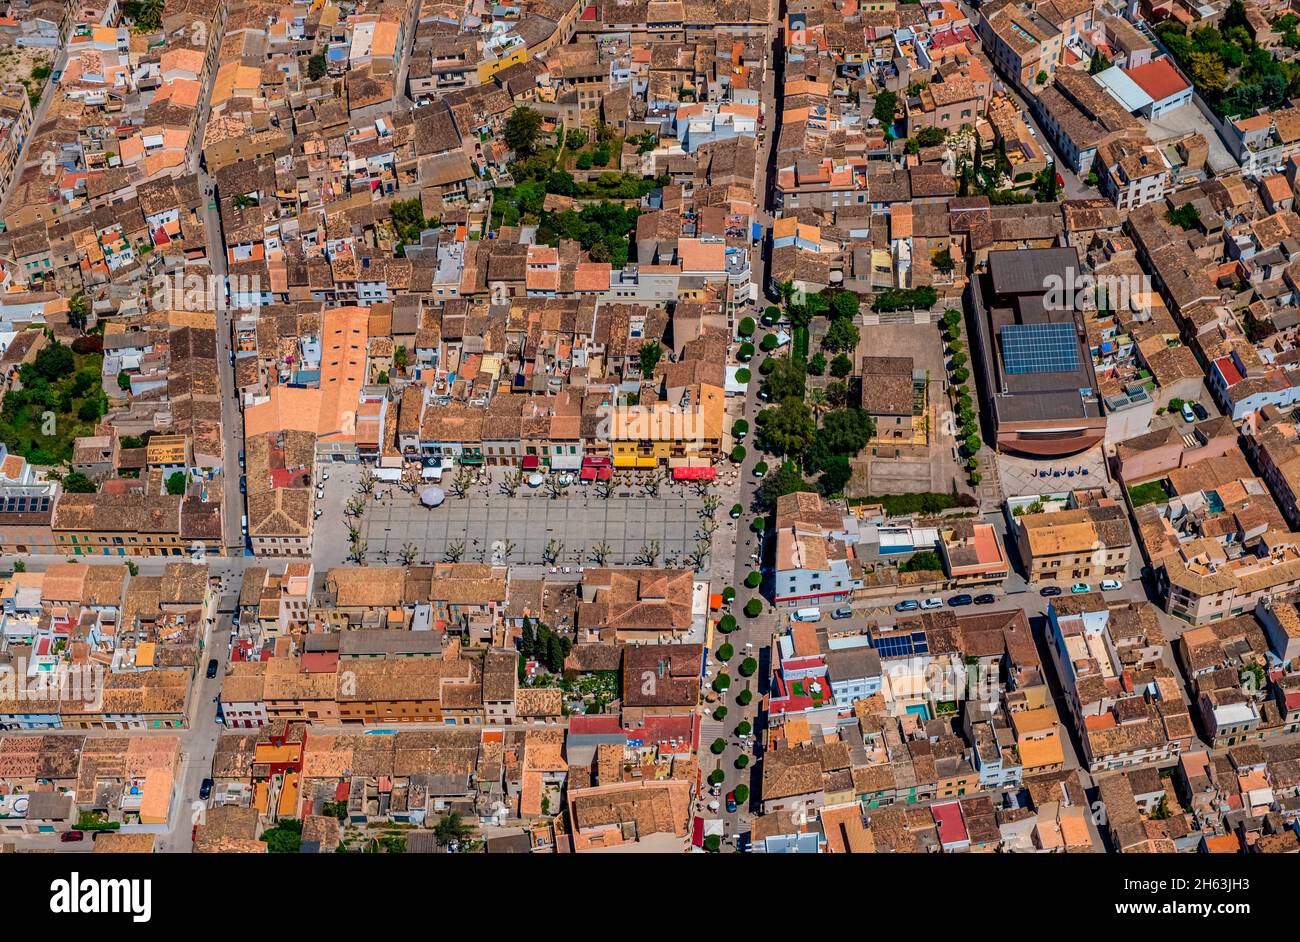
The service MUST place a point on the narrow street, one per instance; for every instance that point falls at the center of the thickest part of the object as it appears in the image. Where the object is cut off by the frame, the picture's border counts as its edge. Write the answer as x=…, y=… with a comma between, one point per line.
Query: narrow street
x=753, y=636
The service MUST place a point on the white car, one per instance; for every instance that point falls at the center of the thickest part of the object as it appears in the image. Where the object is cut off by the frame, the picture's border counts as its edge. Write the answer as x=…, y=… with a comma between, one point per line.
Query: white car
x=1111, y=585
x=933, y=602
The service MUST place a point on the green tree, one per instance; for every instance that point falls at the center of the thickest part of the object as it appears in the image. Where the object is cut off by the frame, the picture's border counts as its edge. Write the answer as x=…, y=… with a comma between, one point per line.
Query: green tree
x=844, y=304
x=748, y=666
x=885, y=108
x=650, y=354
x=123, y=380
x=74, y=482
x=317, y=66
x=53, y=362
x=788, y=379
x=176, y=483
x=284, y=838
x=521, y=131
x=408, y=219
x=1185, y=217
x=91, y=409
x=924, y=561
x=451, y=828
x=784, y=480
x=841, y=336
x=78, y=311
x=786, y=429
x=841, y=366
x=835, y=476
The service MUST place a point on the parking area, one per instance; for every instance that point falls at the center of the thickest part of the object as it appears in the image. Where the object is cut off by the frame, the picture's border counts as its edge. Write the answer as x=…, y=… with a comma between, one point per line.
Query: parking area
x=491, y=527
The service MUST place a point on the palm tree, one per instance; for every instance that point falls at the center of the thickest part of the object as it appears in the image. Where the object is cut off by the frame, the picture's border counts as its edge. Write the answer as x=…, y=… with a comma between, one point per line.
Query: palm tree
x=818, y=402
x=407, y=553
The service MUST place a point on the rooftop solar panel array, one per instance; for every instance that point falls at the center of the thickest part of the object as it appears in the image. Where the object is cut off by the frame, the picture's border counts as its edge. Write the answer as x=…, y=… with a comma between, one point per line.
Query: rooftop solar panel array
x=1039, y=348
x=904, y=645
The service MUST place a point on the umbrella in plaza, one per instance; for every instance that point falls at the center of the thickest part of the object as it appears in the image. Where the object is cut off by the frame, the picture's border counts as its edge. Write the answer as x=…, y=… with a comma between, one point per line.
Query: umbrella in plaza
x=432, y=496
x=535, y=480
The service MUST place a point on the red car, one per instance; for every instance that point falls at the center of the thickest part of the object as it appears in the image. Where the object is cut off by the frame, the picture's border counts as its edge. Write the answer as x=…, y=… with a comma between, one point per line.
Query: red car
x=69, y=837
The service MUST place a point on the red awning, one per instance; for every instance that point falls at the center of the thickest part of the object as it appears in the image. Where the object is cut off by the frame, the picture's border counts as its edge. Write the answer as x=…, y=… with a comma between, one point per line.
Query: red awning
x=604, y=474
x=530, y=462
x=587, y=474
x=694, y=474
x=596, y=461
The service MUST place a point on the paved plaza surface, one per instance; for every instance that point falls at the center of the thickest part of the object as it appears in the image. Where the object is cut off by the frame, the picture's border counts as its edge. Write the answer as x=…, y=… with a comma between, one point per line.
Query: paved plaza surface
x=580, y=520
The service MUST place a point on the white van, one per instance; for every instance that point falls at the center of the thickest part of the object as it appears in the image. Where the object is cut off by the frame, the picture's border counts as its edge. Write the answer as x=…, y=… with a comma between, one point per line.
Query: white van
x=808, y=614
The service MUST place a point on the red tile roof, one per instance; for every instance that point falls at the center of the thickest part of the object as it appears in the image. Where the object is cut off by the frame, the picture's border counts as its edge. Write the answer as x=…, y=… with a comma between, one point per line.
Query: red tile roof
x=1158, y=78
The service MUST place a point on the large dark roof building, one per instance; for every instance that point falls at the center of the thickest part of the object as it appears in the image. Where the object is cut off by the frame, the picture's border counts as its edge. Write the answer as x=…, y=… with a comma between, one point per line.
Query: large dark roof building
x=1034, y=369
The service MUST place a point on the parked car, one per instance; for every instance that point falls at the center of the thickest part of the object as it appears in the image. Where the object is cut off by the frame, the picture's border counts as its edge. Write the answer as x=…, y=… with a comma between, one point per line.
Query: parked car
x=1049, y=590
x=69, y=837
x=1202, y=413
x=843, y=612
x=1111, y=585
x=731, y=802
x=205, y=789
x=1188, y=414
x=1079, y=588
x=212, y=668
x=932, y=602
x=985, y=599
x=907, y=605
x=959, y=600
